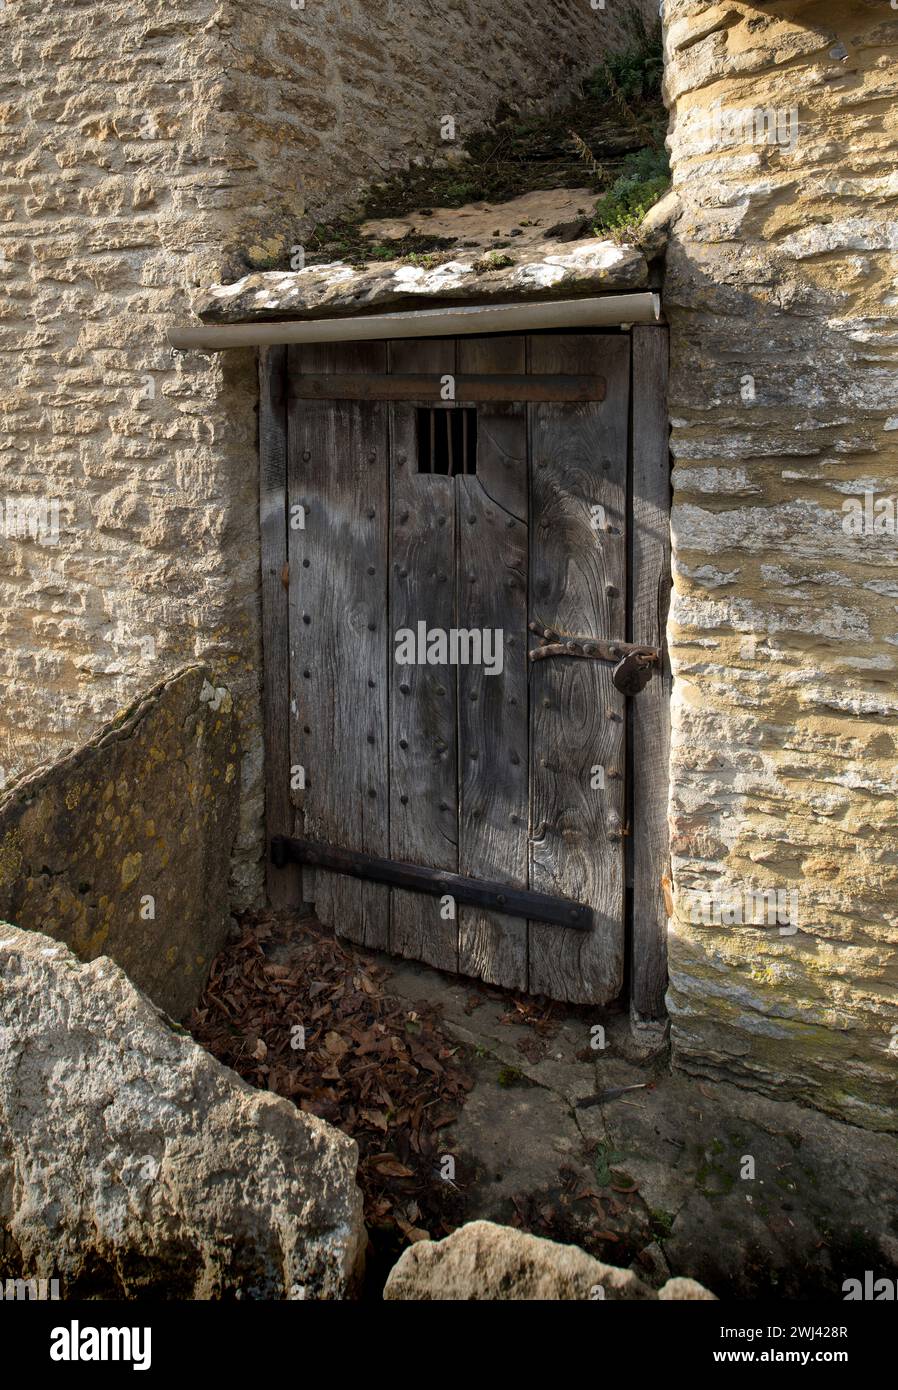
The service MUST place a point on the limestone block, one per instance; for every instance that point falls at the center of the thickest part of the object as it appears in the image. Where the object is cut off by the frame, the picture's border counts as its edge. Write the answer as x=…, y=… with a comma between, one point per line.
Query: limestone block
x=133, y=1164
x=484, y=1261
x=123, y=847
x=543, y=270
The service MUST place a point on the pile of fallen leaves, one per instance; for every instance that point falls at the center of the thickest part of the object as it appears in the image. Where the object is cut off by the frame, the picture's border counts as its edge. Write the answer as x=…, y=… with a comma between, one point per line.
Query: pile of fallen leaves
x=295, y=1011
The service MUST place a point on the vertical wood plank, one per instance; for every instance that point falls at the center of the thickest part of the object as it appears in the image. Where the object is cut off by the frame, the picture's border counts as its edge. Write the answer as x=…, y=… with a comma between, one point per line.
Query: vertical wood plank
x=650, y=712
x=423, y=698
x=284, y=886
x=492, y=709
x=578, y=585
x=337, y=471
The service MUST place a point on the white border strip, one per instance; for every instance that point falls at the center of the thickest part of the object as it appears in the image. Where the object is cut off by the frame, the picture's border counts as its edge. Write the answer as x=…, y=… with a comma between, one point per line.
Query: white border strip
x=618, y=309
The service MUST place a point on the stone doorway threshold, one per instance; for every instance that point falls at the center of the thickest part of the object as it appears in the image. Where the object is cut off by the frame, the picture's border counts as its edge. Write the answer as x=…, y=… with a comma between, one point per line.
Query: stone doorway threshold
x=665, y=1161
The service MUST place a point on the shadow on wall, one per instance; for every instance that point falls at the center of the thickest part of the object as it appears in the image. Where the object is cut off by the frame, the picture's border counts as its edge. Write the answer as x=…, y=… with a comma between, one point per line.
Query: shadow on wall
x=122, y=848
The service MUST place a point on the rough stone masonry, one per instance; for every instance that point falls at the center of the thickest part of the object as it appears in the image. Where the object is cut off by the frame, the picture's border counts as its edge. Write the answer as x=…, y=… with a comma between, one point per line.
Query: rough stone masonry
x=122, y=847
x=783, y=299
x=147, y=150
x=145, y=153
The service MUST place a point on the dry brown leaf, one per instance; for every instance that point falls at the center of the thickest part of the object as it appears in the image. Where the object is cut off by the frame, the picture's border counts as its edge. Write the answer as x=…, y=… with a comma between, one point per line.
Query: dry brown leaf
x=390, y=1167
x=355, y=1070
x=412, y=1233
x=425, y=1060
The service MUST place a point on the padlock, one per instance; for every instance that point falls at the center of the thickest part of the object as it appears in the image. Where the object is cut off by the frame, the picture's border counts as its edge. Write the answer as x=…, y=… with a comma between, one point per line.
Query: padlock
x=632, y=674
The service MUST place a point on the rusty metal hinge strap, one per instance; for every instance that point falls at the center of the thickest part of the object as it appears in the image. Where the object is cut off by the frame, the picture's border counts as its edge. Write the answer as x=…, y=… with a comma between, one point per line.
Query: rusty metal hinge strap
x=495, y=897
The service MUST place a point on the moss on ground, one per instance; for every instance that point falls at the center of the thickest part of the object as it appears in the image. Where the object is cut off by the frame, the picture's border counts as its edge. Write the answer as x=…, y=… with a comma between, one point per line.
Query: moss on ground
x=662, y=1223
x=493, y=260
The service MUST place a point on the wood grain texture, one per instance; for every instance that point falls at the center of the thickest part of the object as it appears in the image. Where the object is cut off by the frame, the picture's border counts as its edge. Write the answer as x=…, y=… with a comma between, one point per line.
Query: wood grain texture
x=283, y=886
x=423, y=698
x=650, y=711
x=492, y=709
x=578, y=461
x=445, y=766
x=339, y=643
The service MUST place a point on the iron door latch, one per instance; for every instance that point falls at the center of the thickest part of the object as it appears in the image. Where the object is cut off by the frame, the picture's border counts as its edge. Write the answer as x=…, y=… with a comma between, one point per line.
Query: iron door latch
x=634, y=663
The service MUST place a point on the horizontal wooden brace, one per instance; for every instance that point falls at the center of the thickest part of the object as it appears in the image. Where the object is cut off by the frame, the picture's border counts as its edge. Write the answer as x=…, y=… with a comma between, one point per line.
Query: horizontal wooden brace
x=406, y=386
x=495, y=897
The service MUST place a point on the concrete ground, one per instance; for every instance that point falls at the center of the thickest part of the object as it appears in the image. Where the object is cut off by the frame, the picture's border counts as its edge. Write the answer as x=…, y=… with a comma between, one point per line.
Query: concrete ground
x=753, y=1197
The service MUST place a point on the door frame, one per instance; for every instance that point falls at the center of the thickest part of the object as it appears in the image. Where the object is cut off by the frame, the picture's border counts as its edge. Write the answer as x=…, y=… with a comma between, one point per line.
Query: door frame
x=649, y=585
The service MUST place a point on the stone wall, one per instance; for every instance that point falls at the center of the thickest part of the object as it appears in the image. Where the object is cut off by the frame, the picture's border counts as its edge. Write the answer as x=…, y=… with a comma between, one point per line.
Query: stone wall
x=147, y=150
x=327, y=96
x=783, y=298
x=122, y=848
x=113, y=188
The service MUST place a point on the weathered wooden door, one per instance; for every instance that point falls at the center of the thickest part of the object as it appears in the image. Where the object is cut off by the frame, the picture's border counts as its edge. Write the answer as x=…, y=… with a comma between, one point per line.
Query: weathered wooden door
x=440, y=496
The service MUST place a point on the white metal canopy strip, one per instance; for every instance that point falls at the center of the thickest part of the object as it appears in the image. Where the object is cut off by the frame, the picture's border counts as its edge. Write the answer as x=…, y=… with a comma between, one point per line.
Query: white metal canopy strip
x=616, y=309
